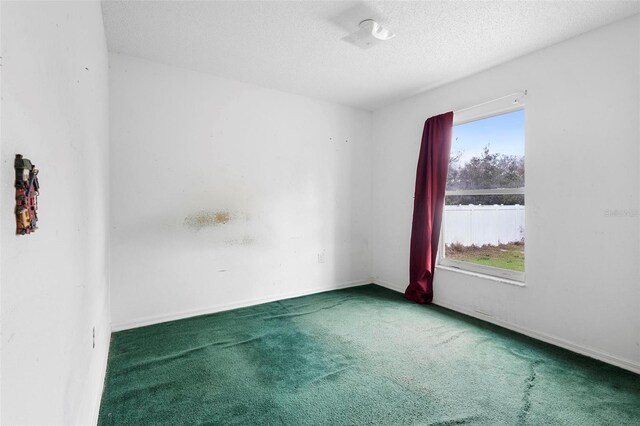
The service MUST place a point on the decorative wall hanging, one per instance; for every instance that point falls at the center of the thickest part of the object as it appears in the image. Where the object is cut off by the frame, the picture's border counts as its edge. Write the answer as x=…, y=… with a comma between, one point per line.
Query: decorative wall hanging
x=27, y=187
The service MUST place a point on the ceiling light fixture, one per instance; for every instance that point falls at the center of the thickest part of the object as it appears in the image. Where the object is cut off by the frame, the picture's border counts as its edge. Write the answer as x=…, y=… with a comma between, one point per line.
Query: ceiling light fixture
x=369, y=34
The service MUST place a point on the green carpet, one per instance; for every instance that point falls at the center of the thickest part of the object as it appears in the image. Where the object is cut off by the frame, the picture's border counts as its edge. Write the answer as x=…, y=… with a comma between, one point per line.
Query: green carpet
x=359, y=356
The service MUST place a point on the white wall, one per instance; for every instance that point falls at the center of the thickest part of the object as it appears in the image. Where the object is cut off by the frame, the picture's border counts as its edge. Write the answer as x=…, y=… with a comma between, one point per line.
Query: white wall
x=1, y=207
x=55, y=281
x=582, y=131
x=226, y=194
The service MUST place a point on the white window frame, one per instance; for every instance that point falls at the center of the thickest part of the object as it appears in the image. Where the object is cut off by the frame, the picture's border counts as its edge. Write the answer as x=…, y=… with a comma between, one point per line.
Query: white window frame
x=487, y=111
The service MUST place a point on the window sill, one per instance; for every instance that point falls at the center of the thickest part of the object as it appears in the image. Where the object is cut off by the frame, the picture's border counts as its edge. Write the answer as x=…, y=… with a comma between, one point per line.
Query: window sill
x=482, y=276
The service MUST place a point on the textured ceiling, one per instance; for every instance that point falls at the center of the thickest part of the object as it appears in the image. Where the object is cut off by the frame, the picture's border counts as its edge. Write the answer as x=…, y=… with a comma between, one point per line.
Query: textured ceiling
x=297, y=47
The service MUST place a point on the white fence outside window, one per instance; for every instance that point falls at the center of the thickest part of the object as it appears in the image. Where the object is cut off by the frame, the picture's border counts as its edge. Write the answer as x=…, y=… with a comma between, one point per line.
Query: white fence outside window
x=479, y=225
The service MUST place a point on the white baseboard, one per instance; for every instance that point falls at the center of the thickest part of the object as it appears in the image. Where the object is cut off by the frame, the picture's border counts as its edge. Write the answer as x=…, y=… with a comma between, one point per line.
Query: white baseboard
x=592, y=353
x=389, y=285
x=156, y=319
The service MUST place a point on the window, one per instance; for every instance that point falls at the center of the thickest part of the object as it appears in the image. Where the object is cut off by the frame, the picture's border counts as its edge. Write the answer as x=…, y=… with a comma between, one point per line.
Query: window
x=483, y=228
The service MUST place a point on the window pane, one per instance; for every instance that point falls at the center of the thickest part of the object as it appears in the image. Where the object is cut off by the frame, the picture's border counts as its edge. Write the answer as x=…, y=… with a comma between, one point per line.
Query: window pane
x=488, y=153
x=485, y=232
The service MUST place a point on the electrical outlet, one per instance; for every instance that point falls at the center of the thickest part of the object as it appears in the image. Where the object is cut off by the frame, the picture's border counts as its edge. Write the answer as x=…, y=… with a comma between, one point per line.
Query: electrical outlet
x=94, y=337
x=322, y=257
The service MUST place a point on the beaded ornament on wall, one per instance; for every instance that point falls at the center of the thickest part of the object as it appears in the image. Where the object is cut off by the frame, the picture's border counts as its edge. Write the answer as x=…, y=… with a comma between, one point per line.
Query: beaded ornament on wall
x=27, y=188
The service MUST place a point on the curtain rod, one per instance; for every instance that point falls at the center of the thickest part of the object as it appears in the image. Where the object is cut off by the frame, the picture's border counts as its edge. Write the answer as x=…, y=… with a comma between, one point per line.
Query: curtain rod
x=521, y=93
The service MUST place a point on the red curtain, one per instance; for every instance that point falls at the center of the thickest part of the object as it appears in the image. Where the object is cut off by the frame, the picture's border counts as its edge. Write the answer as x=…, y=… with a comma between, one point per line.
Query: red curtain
x=428, y=205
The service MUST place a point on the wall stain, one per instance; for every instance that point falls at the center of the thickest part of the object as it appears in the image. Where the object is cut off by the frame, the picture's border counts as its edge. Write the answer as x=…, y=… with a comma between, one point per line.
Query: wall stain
x=207, y=219
x=221, y=217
